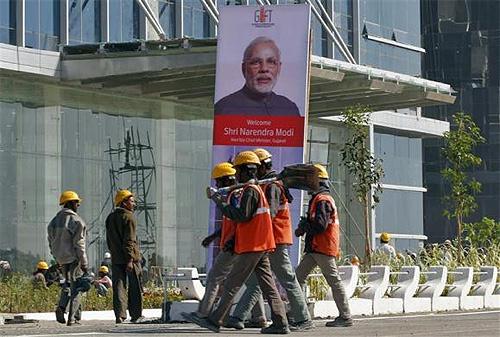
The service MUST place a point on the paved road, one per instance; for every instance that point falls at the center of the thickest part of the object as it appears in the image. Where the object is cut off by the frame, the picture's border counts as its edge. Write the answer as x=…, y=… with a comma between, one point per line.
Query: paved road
x=484, y=324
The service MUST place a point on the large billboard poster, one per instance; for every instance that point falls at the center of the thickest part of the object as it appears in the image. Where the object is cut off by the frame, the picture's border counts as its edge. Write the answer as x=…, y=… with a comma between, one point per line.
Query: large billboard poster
x=261, y=84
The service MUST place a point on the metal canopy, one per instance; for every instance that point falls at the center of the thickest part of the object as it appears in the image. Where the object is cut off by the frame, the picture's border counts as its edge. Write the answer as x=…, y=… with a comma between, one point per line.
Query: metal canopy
x=186, y=75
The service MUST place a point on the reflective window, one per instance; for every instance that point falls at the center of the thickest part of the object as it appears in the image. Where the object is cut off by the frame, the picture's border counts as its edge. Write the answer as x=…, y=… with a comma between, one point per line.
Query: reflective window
x=393, y=20
x=84, y=21
x=8, y=21
x=166, y=14
x=42, y=24
x=124, y=20
x=196, y=20
x=343, y=22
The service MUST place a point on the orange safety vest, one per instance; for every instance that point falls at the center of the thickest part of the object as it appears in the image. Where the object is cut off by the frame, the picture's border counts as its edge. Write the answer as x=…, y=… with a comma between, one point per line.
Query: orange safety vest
x=282, y=224
x=255, y=235
x=328, y=242
x=228, y=226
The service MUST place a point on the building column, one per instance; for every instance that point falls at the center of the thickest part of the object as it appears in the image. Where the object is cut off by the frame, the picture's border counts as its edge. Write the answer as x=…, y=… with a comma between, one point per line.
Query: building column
x=20, y=23
x=105, y=20
x=64, y=22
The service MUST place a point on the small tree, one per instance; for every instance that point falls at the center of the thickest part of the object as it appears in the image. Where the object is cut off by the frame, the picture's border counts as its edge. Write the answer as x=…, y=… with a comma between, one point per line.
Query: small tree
x=366, y=169
x=458, y=152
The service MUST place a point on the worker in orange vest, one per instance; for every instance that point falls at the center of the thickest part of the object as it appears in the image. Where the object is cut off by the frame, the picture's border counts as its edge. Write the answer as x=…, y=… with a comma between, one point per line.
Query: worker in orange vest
x=253, y=240
x=321, y=227
x=224, y=176
x=278, y=198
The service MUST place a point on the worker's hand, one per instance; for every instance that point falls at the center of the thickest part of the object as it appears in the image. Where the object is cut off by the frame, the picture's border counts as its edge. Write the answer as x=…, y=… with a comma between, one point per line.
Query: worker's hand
x=210, y=191
x=299, y=232
x=217, y=198
x=84, y=269
x=206, y=241
x=229, y=245
x=130, y=266
x=303, y=222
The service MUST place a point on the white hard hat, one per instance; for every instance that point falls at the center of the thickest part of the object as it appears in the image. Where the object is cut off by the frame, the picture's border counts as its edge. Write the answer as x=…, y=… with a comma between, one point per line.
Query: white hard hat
x=107, y=255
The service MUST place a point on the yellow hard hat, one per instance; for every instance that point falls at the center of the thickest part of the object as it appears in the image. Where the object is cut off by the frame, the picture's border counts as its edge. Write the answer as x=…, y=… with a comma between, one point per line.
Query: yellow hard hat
x=104, y=269
x=246, y=157
x=263, y=154
x=122, y=195
x=322, y=174
x=223, y=169
x=42, y=265
x=68, y=196
x=386, y=237
x=355, y=260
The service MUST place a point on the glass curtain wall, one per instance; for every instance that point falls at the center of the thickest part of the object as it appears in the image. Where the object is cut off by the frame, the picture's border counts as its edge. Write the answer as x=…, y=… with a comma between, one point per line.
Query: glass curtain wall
x=52, y=139
x=166, y=15
x=8, y=21
x=42, y=24
x=124, y=20
x=196, y=20
x=84, y=21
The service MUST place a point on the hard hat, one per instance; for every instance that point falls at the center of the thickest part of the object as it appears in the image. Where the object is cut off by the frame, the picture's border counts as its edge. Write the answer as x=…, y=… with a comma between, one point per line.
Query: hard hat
x=447, y=242
x=68, y=196
x=322, y=174
x=42, y=265
x=385, y=237
x=263, y=154
x=223, y=169
x=107, y=255
x=104, y=269
x=355, y=260
x=122, y=195
x=245, y=158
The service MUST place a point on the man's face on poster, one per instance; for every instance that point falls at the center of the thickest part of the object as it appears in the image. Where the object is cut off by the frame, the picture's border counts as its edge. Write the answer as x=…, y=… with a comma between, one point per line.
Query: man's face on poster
x=262, y=68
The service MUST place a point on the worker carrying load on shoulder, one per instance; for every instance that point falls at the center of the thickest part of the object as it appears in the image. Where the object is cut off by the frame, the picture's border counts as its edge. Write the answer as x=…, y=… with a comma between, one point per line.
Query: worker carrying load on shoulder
x=224, y=176
x=321, y=226
x=253, y=239
x=278, y=198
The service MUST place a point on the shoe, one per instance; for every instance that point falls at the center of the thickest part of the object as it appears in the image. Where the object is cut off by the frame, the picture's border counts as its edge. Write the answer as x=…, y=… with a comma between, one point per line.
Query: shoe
x=340, y=322
x=234, y=323
x=60, y=315
x=73, y=322
x=261, y=323
x=138, y=320
x=206, y=323
x=120, y=320
x=274, y=329
x=302, y=326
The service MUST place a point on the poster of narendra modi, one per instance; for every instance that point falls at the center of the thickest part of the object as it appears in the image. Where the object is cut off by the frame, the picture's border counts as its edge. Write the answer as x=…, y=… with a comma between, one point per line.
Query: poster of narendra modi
x=260, y=99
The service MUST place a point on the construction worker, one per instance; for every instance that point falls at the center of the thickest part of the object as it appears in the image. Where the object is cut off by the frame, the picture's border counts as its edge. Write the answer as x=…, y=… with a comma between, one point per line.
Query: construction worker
x=121, y=236
x=40, y=275
x=321, y=226
x=66, y=235
x=277, y=197
x=224, y=176
x=252, y=240
x=385, y=247
x=103, y=282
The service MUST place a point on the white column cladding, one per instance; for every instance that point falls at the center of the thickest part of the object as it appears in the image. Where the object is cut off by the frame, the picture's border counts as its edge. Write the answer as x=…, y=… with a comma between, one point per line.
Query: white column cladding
x=151, y=33
x=166, y=192
x=104, y=20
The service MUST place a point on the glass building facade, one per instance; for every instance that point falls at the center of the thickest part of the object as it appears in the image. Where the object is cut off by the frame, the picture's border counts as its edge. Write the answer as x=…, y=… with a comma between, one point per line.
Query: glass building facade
x=462, y=39
x=55, y=137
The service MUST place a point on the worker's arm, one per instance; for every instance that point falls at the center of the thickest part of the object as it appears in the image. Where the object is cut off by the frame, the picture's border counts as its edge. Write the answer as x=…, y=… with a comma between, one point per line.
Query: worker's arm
x=78, y=229
x=320, y=222
x=273, y=196
x=246, y=209
x=206, y=241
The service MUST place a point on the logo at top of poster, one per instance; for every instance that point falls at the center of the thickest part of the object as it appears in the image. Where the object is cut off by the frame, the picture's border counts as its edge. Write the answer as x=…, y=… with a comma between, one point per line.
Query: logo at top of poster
x=262, y=18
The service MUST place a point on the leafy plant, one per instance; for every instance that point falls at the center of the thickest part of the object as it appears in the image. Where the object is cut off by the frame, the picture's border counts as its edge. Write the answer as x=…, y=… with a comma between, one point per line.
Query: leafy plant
x=362, y=165
x=482, y=233
x=458, y=152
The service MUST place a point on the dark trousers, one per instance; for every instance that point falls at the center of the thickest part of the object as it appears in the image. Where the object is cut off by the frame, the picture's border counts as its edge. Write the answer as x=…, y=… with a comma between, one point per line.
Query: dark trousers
x=69, y=299
x=127, y=291
x=243, y=266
